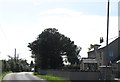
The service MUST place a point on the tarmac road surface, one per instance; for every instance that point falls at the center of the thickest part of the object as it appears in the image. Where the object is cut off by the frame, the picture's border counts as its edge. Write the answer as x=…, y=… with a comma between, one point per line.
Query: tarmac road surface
x=22, y=77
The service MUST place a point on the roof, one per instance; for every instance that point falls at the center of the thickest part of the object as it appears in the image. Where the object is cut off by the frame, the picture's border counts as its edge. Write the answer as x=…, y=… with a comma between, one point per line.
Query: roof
x=118, y=61
x=89, y=61
x=110, y=42
x=104, y=66
x=103, y=45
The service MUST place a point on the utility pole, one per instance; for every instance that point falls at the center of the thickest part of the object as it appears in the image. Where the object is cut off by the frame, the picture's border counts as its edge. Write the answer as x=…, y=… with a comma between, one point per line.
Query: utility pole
x=106, y=63
x=15, y=69
x=15, y=55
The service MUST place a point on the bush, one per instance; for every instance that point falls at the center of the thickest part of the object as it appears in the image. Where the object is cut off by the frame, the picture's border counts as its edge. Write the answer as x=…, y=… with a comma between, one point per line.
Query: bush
x=35, y=73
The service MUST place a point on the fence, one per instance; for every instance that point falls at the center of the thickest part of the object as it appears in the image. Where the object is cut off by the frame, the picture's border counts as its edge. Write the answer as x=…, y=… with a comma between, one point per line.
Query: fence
x=0, y=70
x=72, y=75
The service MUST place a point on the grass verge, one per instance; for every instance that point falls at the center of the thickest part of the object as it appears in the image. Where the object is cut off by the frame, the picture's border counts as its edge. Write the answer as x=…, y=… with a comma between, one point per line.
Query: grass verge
x=51, y=78
x=2, y=75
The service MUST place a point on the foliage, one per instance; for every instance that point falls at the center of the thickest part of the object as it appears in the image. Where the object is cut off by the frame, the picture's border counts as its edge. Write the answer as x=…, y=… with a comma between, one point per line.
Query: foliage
x=50, y=46
x=14, y=65
x=35, y=73
x=72, y=67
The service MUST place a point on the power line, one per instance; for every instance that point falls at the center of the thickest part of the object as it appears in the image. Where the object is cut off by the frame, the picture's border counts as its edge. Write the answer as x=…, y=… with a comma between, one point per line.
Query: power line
x=3, y=33
x=6, y=43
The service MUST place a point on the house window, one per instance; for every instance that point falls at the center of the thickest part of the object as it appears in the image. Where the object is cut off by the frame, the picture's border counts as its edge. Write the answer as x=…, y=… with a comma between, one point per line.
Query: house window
x=100, y=55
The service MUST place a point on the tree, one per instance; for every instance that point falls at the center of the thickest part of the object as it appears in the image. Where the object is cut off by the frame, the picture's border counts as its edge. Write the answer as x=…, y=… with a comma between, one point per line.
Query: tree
x=50, y=46
x=17, y=65
x=4, y=65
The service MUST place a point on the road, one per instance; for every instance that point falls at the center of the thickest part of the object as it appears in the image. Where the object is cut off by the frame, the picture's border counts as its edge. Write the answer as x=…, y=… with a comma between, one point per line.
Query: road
x=22, y=77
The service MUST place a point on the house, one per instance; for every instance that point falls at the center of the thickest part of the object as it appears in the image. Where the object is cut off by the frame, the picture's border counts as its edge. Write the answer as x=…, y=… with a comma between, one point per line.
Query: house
x=98, y=55
x=113, y=51
x=118, y=62
x=101, y=56
x=94, y=60
x=88, y=64
x=115, y=68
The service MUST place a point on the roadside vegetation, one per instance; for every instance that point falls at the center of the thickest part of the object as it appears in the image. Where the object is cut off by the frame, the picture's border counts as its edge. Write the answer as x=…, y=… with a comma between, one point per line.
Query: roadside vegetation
x=0, y=77
x=15, y=65
x=3, y=74
x=51, y=78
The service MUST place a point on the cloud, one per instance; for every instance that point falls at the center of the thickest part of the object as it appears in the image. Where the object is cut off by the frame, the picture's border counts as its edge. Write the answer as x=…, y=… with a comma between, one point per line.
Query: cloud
x=60, y=11
x=83, y=29
x=78, y=0
x=38, y=2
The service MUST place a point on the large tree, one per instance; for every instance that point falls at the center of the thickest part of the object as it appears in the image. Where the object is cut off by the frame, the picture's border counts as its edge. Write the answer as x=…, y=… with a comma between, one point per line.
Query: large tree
x=50, y=46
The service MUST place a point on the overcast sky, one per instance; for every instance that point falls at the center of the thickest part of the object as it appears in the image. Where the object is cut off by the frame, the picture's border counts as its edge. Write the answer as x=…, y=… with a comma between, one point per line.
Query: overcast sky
x=84, y=21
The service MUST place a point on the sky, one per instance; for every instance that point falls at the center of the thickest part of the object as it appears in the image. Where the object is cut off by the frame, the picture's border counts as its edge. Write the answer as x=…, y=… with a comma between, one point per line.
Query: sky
x=83, y=21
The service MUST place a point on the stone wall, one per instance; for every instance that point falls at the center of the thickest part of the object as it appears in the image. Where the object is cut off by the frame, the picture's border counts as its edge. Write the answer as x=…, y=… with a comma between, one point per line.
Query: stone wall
x=69, y=75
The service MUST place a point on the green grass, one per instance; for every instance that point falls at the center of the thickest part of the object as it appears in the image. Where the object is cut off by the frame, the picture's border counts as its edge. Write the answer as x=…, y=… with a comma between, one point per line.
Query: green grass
x=52, y=78
x=0, y=77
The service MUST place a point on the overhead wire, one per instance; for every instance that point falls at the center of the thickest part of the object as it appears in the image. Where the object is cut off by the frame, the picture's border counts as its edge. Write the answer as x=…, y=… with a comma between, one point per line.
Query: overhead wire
x=4, y=35
x=7, y=43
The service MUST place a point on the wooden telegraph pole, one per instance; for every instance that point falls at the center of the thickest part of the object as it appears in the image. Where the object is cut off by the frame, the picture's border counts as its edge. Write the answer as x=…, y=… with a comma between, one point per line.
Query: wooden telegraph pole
x=107, y=52
x=15, y=55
